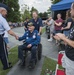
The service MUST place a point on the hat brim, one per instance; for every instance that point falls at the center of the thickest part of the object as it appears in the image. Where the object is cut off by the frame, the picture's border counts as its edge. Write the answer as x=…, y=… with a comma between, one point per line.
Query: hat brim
x=4, y=6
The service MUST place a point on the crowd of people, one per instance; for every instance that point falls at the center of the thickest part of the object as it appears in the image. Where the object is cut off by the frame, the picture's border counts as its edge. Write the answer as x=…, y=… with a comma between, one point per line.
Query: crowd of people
x=59, y=30
x=31, y=37
x=63, y=30
x=59, y=25
x=14, y=25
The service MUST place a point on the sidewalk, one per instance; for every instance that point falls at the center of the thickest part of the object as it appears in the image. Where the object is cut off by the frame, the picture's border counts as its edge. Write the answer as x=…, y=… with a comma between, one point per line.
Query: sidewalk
x=49, y=49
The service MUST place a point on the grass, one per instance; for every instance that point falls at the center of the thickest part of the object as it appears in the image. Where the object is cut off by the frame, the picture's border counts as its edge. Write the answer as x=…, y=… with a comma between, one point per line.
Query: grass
x=43, y=30
x=48, y=64
x=13, y=57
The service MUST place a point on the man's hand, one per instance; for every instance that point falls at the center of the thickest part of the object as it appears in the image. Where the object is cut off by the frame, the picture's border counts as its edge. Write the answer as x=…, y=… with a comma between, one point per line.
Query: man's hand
x=29, y=46
x=61, y=36
x=16, y=37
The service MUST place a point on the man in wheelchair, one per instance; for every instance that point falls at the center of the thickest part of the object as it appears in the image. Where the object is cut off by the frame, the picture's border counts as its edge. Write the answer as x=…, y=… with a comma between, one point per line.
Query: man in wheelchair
x=32, y=39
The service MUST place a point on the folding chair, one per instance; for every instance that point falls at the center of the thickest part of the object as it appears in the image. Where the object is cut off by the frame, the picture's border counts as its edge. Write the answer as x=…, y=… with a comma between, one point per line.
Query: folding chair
x=59, y=63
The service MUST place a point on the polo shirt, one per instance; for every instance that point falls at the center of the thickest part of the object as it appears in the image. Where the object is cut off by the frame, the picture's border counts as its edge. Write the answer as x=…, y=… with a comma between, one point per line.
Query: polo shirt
x=37, y=23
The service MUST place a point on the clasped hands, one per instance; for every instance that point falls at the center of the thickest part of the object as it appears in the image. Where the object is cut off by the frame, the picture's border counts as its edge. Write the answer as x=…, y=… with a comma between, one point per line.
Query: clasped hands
x=28, y=46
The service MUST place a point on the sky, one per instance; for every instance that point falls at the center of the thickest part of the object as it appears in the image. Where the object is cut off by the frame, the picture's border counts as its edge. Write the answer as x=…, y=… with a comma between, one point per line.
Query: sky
x=40, y=5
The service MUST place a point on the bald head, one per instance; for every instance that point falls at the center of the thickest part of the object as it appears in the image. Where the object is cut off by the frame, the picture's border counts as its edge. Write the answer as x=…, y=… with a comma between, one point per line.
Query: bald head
x=3, y=11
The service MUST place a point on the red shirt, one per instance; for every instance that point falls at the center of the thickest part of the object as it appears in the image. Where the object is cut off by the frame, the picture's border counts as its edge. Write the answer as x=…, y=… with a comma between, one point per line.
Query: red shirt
x=58, y=27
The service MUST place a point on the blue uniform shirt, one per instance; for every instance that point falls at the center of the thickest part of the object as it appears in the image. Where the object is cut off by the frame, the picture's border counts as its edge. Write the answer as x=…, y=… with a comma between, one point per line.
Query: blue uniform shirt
x=3, y=25
x=37, y=23
x=31, y=38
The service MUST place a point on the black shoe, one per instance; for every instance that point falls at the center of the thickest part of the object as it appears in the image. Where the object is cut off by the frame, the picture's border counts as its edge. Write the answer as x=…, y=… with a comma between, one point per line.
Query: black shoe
x=10, y=63
x=10, y=66
x=31, y=65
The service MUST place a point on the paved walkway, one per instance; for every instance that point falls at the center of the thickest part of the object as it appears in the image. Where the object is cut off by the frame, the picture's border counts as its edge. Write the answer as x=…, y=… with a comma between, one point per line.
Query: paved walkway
x=49, y=49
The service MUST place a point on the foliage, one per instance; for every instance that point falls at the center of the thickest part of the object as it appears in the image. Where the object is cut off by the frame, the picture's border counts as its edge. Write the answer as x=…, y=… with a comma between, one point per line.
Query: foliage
x=55, y=1
x=48, y=64
x=26, y=13
x=13, y=13
x=43, y=15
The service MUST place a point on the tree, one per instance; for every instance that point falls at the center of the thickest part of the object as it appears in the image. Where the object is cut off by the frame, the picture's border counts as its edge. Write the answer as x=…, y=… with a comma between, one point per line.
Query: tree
x=43, y=15
x=48, y=11
x=13, y=14
x=55, y=1
x=26, y=13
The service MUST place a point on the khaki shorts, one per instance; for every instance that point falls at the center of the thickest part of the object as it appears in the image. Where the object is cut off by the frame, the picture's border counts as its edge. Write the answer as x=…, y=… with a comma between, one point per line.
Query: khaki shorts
x=68, y=65
x=51, y=30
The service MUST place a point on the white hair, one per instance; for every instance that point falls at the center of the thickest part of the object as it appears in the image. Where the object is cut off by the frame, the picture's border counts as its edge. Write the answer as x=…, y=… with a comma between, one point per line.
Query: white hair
x=1, y=8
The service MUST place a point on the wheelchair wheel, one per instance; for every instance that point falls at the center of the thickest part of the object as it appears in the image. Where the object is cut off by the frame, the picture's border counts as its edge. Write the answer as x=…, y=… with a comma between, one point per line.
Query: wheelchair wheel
x=39, y=51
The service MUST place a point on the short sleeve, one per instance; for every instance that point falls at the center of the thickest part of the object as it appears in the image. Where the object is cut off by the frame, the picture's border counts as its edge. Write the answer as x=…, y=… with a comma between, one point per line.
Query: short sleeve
x=61, y=20
x=41, y=22
x=70, y=20
x=50, y=22
x=5, y=25
x=72, y=34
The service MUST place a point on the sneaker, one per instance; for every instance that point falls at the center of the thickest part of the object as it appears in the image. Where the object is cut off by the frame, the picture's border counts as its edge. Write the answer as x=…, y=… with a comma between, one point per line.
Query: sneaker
x=50, y=39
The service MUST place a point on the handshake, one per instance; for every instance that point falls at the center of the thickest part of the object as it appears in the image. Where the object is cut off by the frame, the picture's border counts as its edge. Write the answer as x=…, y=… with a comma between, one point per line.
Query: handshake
x=16, y=37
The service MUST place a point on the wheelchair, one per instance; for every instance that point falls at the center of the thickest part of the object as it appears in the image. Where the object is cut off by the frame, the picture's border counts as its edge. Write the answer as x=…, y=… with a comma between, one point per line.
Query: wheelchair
x=38, y=53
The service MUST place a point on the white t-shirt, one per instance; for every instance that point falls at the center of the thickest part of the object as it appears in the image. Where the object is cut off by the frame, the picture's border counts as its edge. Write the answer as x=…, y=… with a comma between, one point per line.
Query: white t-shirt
x=6, y=34
x=51, y=22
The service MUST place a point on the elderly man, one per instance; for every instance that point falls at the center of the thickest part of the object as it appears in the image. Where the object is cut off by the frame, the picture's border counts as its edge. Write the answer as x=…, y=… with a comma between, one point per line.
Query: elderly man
x=32, y=39
x=4, y=26
x=68, y=58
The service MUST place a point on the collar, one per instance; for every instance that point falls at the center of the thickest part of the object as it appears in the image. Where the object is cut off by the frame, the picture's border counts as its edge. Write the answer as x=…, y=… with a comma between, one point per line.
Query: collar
x=36, y=20
x=0, y=14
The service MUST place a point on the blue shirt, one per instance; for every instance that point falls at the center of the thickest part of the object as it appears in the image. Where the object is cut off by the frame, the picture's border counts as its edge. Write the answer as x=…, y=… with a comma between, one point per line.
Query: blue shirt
x=31, y=38
x=37, y=23
x=3, y=25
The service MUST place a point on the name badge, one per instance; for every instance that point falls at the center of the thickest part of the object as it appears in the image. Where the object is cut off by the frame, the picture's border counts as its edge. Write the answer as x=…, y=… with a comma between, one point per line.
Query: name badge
x=26, y=37
x=34, y=36
x=37, y=22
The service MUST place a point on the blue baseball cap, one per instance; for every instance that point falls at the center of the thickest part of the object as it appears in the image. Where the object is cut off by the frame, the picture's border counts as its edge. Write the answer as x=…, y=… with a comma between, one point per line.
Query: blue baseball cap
x=4, y=6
